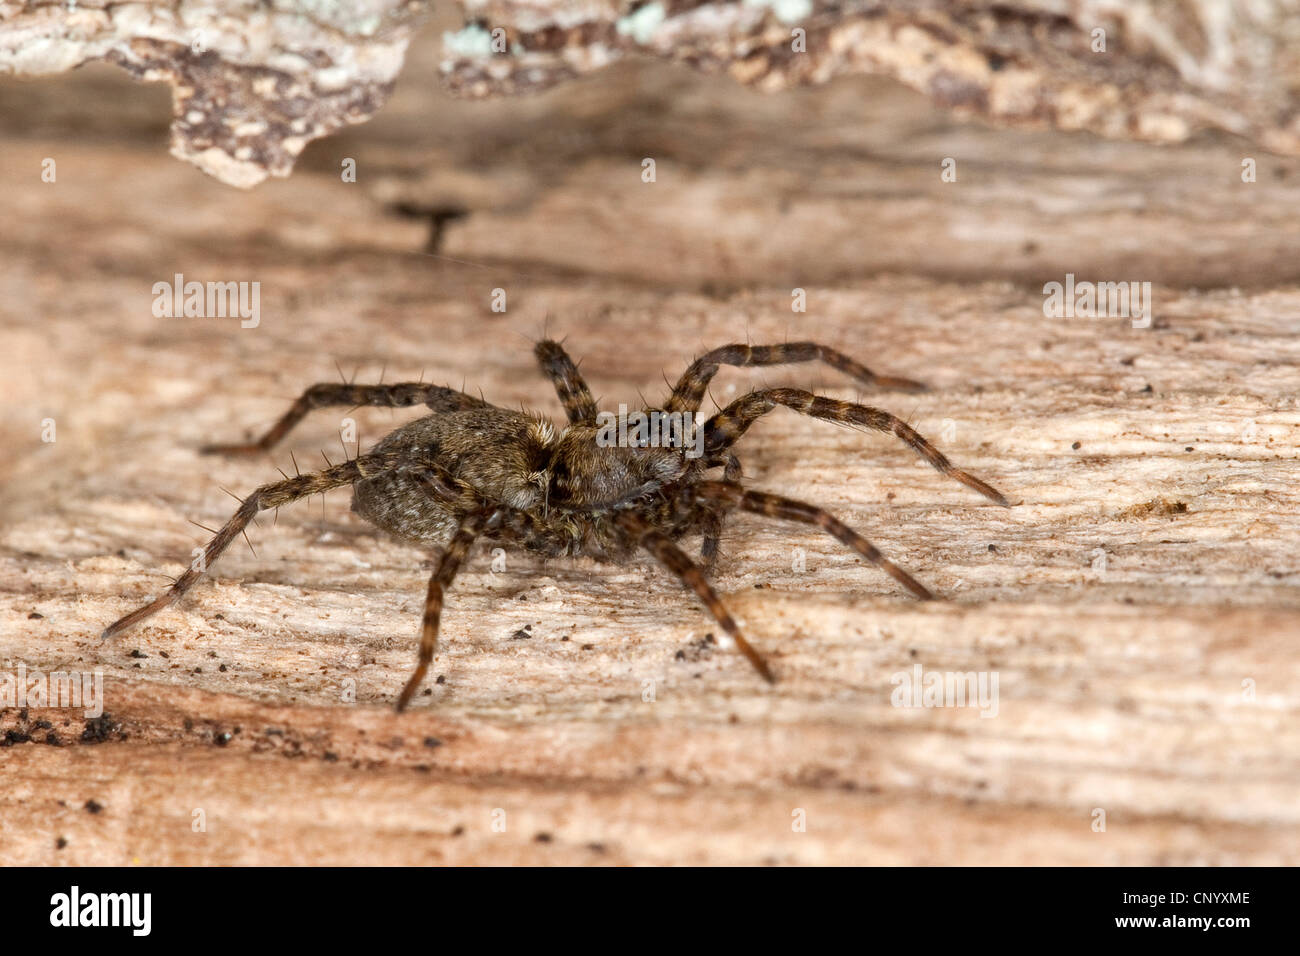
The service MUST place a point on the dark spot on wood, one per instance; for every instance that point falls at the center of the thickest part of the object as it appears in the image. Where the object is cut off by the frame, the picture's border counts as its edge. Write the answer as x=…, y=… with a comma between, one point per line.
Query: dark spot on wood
x=100, y=729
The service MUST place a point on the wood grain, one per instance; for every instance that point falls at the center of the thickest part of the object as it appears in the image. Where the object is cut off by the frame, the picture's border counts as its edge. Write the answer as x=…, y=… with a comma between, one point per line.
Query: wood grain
x=1147, y=569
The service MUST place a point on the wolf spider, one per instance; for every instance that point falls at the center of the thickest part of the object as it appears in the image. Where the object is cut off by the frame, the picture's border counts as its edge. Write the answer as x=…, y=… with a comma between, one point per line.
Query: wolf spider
x=472, y=470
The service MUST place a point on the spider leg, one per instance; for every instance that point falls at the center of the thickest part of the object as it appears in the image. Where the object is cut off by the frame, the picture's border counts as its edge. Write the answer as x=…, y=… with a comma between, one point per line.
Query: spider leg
x=723, y=429
x=569, y=384
x=712, y=522
x=268, y=496
x=327, y=394
x=471, y=526
x=788, y=509
x=690, y=389
x=676, y=560
x=712, y=527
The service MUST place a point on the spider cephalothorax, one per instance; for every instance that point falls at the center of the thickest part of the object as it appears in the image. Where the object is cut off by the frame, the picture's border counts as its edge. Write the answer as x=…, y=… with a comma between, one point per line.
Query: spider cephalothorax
x=471, y=470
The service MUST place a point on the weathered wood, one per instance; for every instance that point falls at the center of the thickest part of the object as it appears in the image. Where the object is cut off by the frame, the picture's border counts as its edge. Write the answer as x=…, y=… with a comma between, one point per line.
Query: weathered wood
x=1147, y=569
x=254, y=84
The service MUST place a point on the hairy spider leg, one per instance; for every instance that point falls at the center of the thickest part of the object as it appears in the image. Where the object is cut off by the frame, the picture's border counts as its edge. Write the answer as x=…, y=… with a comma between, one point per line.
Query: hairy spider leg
x=337, y=394
x=733, y=497
x=569, y=384
x=268, y=496
x=471, y=526
x=712, y=521
x=690, y=574
x=689, y=391
x=723, y=429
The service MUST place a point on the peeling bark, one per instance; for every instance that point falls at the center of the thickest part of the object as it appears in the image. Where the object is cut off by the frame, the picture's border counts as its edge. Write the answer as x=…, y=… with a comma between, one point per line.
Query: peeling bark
x=253, y=85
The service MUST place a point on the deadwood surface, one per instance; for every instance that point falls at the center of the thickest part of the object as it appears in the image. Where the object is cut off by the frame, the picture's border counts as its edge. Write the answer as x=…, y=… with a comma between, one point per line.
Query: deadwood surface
x=1147, y=569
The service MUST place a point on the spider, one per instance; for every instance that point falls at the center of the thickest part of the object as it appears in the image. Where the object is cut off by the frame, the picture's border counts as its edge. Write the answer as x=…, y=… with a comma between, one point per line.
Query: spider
x=470, y=470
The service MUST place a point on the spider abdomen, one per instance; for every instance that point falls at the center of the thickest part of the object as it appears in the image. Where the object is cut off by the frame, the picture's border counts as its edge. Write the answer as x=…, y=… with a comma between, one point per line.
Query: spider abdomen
x=493, y=452
x=395, y=502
